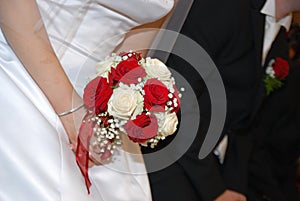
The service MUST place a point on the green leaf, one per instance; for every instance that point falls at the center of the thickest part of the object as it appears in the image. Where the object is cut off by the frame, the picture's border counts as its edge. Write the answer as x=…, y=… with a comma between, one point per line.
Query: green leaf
x=272, y=84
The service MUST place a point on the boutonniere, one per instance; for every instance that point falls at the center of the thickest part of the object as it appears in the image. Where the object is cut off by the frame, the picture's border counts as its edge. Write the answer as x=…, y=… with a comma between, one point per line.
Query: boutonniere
x=276, y=71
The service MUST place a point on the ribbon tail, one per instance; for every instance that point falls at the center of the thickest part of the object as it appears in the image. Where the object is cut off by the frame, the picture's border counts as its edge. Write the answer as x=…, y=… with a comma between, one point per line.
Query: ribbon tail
x=82, y=151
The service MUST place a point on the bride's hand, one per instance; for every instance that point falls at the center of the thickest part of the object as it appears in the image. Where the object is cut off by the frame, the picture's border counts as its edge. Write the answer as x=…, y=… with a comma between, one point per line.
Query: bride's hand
x=23, y=27
x=71, y=123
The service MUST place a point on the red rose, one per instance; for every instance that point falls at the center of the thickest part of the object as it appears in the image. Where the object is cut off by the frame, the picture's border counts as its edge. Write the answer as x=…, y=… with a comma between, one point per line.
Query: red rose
x=156, y=95
x=142, y=128
x=128, y=72
x=281, y=68
x=112, y=77
x=96, y=94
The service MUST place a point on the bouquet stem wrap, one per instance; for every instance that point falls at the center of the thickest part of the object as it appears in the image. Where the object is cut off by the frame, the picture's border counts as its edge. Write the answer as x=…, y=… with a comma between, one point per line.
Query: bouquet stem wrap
x=82, y=151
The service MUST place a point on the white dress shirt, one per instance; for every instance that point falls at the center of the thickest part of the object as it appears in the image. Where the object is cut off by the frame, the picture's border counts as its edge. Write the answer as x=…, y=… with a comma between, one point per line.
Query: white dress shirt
x=220, y=150
x=272, y=26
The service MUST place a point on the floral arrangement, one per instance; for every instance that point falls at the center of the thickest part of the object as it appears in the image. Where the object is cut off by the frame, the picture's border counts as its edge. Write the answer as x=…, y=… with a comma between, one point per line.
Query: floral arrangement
x=129, y=96
x=276, y=71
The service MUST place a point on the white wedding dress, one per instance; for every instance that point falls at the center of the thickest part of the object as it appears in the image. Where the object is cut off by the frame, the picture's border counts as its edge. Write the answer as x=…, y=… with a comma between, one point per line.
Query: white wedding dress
x=36, y=163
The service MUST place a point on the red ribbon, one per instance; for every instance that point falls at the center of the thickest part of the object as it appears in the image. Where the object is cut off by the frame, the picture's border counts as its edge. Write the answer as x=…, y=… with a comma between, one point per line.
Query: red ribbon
x=82, y=151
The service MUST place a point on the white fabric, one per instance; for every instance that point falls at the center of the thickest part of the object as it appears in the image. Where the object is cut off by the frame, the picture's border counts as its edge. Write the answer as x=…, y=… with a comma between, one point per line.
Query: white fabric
x=220, y=150
x=272, y=26
x=36, y=163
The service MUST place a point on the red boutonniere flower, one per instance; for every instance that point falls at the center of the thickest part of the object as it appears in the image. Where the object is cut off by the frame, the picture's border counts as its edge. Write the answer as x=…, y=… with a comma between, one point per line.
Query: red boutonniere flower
x=276, y=72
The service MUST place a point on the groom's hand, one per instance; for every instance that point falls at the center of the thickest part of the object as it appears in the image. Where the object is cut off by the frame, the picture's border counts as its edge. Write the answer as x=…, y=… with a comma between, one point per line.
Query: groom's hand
x=230, y=195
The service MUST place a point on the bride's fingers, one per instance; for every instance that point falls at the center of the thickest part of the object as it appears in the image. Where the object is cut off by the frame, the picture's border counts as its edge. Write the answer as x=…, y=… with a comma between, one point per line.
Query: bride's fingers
x=92, y=160
x=72, y=147
x=91, y=163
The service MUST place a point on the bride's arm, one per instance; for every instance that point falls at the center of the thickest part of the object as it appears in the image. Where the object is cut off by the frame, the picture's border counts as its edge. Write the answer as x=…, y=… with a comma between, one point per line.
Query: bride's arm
x=22, y=25
x=24, y=30
x=144, y=34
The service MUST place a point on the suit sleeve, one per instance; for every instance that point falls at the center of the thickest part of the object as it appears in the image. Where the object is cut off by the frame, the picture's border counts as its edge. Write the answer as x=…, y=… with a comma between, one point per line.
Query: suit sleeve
x=203, y=173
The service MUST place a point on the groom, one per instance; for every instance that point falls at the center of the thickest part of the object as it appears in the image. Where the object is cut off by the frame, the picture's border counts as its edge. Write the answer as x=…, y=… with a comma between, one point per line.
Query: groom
x=272, y=165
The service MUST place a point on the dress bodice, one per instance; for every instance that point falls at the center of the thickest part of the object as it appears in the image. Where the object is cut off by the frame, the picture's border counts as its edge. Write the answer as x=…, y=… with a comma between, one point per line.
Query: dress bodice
x=85, y=31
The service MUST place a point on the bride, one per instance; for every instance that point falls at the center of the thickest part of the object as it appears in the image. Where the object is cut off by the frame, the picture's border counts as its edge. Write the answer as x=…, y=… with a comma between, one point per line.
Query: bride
x=48, y=49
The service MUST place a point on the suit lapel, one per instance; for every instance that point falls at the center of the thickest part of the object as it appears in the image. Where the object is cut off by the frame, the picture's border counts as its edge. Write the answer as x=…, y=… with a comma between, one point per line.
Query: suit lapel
x=258, y=23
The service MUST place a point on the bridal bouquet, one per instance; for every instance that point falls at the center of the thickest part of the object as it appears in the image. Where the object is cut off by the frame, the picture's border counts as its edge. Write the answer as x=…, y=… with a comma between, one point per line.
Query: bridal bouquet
x=131, y=96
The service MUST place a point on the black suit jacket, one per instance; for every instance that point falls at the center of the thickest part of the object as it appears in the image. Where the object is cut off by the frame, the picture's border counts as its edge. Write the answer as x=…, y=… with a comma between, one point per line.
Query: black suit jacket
x=276, y=137
x=231, y=32
x=276, y=146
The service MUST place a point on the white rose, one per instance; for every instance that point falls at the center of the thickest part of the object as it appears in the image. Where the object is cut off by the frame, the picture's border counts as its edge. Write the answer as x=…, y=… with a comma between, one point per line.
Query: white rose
x=168, y=124
x=157, y=69
x=103, y=67
x=125, y=103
